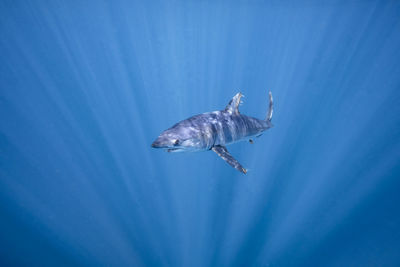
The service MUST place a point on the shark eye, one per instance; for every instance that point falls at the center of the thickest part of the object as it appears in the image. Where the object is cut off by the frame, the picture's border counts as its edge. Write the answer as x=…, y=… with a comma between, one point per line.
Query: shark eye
x=176, y=142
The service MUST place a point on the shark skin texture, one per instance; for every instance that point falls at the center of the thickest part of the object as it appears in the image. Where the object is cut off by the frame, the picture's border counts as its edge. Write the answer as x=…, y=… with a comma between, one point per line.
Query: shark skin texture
x=214, y=131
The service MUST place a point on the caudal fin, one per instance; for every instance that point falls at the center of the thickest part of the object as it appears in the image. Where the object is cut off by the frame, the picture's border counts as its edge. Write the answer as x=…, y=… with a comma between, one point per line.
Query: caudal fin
x=270, y=110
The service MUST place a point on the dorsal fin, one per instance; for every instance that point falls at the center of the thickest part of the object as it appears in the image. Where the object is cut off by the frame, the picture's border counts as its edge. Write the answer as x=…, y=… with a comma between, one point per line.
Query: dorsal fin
x=233, y=105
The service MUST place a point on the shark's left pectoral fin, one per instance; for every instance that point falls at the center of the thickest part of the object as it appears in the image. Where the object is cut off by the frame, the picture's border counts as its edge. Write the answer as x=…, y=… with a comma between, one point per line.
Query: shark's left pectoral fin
x=224, y=154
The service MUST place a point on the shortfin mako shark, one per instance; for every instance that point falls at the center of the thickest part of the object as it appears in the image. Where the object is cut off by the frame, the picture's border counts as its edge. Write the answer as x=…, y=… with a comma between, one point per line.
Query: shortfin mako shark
x=214, y=130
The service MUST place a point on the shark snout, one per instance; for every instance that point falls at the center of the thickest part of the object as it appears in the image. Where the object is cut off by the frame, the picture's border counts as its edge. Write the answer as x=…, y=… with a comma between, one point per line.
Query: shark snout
x=161, y=142
x=156, y=144
x=171, y=144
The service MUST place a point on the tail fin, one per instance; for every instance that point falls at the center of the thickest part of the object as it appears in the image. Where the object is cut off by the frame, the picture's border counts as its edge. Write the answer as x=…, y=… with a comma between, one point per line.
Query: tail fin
x=270, y=110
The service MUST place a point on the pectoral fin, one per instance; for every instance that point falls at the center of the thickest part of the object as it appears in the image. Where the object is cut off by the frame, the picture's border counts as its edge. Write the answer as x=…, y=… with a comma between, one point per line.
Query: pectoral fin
x=224, y=154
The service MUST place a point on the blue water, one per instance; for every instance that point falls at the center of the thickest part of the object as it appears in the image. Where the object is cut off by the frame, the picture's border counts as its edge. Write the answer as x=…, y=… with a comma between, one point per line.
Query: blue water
x=86, y=86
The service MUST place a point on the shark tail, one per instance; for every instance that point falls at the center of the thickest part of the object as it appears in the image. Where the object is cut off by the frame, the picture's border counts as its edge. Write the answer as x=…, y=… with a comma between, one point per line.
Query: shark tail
x=270, y=110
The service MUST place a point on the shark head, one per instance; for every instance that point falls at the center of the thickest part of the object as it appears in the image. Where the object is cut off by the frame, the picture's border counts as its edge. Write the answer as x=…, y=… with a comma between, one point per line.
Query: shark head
x=178, y=139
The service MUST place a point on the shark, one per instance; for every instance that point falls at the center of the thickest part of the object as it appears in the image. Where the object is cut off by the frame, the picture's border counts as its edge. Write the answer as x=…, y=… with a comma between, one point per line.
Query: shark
x=215, y=130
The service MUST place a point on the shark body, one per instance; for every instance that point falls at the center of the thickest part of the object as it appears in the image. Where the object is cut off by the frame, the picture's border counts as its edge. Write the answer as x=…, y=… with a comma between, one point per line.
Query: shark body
x=214, y=130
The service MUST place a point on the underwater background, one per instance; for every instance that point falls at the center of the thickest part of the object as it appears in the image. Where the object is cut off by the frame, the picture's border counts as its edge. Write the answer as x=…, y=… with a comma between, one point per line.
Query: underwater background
x=86, y=87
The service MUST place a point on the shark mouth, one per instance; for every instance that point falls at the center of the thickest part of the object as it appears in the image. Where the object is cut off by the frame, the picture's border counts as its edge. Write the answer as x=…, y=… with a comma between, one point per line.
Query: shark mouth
x=174, y=149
